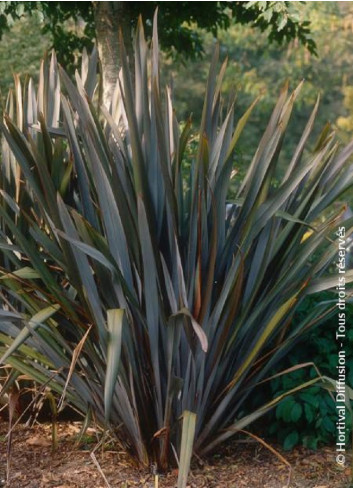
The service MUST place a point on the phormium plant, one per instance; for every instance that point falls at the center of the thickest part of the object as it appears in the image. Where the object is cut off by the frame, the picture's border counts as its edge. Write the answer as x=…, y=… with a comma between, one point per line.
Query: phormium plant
x=125, y=287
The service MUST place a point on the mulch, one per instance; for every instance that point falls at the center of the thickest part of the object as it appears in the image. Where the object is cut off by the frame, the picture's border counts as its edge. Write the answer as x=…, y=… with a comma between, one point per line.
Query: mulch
x=245, y=463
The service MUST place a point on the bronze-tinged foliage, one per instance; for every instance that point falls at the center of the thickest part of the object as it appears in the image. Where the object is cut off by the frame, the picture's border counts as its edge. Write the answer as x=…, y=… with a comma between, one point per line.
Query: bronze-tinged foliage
x=125, y=285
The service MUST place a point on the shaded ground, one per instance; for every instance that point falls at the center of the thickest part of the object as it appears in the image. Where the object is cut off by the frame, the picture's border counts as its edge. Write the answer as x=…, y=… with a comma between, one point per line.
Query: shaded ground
x=237, y=465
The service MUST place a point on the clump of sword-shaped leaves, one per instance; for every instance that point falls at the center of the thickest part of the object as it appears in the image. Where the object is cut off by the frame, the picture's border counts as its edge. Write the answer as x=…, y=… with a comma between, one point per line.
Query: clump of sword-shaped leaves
x=126, y=287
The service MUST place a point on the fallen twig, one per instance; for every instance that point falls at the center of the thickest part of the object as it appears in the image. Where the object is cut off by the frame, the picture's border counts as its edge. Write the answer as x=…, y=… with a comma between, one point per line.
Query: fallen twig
x=278, y=455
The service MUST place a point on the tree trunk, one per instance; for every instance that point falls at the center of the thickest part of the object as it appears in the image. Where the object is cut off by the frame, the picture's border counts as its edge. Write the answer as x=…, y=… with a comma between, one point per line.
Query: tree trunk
x=110, y=18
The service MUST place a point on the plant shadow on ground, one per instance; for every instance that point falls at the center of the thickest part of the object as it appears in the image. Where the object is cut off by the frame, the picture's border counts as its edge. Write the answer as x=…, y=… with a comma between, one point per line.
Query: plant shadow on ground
x=237, y=464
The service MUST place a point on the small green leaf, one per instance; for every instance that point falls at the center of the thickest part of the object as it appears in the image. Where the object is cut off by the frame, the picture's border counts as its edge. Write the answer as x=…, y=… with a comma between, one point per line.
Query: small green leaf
x=309, y=414
x=287, y=411
x=328, y=424
x=290, y=440
x=296, y=412
x=282, y=22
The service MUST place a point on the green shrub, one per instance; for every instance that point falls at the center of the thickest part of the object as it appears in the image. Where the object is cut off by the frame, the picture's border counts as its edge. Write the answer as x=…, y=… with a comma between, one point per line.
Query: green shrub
x=309, y=417
x=125, y=289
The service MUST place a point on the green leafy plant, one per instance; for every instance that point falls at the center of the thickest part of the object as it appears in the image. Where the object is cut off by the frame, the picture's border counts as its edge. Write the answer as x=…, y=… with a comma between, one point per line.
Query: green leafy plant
x=309, y=417
x=125, y=287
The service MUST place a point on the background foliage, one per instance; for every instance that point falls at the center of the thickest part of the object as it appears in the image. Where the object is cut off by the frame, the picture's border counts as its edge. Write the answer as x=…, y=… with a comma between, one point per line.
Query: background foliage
x=309, y=417
x=255, y=65
x=280, y=20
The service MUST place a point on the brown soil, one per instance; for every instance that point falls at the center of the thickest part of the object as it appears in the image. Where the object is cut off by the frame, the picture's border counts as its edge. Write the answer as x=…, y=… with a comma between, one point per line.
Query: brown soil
x=249, y=464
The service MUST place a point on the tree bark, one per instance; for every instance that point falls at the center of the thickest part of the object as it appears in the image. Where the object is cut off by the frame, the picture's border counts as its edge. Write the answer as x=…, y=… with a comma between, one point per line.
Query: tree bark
x=110, y=18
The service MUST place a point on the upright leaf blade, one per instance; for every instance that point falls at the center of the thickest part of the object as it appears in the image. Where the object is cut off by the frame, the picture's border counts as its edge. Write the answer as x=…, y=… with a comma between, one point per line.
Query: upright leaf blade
x=115, y=320
x=187, y=443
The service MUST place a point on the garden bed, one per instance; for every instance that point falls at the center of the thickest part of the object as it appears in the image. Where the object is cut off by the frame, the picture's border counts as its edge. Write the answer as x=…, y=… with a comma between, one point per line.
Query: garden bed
x=237, y=464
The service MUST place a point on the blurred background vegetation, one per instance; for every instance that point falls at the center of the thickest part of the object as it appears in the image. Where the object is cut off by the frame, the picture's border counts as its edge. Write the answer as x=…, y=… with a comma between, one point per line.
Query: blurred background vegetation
x=259, y=68
x=256, y=67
